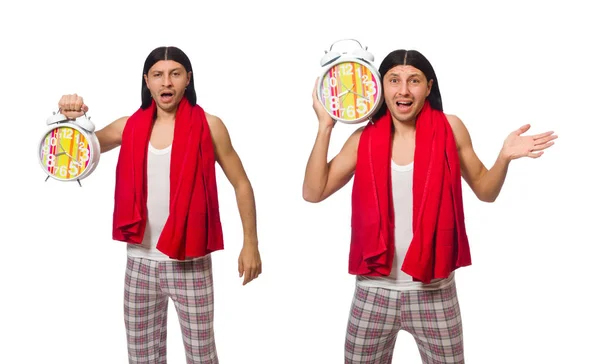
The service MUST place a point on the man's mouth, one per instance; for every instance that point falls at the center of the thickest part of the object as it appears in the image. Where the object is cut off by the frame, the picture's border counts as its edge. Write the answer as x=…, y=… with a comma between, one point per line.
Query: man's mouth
x=404, y=103
x=166, y=96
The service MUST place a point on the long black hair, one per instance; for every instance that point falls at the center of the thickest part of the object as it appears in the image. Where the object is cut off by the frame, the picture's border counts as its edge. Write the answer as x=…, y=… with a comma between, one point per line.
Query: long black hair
x=402, y=57
x=167, y=54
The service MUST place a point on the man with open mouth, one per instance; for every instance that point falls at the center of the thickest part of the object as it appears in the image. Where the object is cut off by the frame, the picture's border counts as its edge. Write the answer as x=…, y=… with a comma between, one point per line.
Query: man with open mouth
x=167, y=210
x=408, y=231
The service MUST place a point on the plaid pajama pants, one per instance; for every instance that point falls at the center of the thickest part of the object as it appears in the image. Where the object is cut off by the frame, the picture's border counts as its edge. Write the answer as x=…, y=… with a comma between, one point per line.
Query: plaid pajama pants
x=148, y=286
x=431, y=317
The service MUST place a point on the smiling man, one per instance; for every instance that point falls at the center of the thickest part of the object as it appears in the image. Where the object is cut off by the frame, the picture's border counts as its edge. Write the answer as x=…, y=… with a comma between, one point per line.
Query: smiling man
x=166, y=208
x=408, y=230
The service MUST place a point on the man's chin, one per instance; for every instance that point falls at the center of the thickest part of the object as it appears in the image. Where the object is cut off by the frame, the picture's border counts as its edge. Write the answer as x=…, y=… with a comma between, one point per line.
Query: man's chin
x=405, y=117
x=169, y=107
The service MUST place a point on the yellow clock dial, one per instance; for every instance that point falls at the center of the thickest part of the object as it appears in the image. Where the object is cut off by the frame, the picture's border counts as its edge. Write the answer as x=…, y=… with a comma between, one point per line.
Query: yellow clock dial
x=65, y=153
x=349, y=91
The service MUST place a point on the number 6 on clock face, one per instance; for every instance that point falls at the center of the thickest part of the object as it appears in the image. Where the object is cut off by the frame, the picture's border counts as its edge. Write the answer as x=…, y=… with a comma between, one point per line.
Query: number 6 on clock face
x=350, y=91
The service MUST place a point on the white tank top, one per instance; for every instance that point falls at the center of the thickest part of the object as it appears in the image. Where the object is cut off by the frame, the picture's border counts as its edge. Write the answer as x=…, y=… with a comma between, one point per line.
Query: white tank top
x=402, y=193
x=159, y=163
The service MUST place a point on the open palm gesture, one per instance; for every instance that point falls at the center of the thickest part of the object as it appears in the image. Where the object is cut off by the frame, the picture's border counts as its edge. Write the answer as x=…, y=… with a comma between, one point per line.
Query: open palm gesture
x=517, y=145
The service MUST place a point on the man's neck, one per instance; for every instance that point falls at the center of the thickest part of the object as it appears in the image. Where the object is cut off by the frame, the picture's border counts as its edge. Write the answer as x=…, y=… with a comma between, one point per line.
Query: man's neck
x=404, y=129
x=164, y=117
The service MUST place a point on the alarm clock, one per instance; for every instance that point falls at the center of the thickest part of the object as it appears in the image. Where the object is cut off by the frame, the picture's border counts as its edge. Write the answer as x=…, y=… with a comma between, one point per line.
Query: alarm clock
x=69, y=149
x=349, y=87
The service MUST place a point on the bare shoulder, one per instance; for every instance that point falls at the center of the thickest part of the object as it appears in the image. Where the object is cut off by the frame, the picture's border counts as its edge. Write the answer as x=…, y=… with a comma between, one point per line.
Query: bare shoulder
x=116, y=127
x=355, y=136
x=218, y=132
x=350, y=147
x=111, y=135
x=120, y=122
x=213, y=120
x=461, y=134
x=353, y=139
x=454, y=122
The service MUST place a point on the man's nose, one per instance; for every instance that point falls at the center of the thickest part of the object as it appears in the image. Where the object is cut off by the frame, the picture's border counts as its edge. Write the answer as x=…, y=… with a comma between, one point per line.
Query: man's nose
x=167, y=80
x=403, y=89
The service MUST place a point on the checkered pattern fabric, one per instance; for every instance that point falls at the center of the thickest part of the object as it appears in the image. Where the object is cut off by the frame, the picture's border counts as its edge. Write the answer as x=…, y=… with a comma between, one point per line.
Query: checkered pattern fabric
x=378, y=314
x=148, y=286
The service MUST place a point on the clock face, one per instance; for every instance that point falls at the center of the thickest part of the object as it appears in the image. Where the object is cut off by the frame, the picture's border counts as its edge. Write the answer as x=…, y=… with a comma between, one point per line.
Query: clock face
x=350, y=91
x=65, y=153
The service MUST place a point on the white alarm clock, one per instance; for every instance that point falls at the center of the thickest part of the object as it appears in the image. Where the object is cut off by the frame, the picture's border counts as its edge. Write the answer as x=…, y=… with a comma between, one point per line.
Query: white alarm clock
x=350, y=86
x=69, y=149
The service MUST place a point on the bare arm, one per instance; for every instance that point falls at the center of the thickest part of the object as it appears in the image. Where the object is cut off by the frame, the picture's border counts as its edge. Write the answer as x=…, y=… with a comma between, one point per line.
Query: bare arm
x=249, y=263
x=322, y=179
x=111, y=135
x=72, y=106
x=487, y=184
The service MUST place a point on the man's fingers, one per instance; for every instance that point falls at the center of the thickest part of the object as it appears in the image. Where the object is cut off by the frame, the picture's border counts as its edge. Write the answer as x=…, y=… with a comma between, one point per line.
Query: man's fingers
x=314, y=95
x=543, y=146
x=545, y=139
x=247, y=277
x=251, y=274
x=72, y=103
x=534, y=154
x=72, y=106
x=543, y=135
x=522, y=129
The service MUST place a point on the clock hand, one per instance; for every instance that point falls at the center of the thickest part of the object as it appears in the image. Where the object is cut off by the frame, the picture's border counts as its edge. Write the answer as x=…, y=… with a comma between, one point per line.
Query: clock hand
x=351, y=87
x=64, y=151
x=68, y=155
x=359, y=95
x=347, y=90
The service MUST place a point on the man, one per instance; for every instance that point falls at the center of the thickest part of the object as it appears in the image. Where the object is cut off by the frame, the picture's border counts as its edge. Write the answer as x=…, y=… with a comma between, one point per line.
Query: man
x=166, y=208
x=408, y=231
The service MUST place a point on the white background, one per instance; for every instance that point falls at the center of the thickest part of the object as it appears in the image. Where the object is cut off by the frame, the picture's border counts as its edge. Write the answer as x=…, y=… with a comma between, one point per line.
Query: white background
x=530, y=295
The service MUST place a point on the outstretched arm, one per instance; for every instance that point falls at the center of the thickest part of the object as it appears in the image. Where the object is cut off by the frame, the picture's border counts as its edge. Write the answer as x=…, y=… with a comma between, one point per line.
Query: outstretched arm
x=249, y=262
x=486, y=184
x=72, y=106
